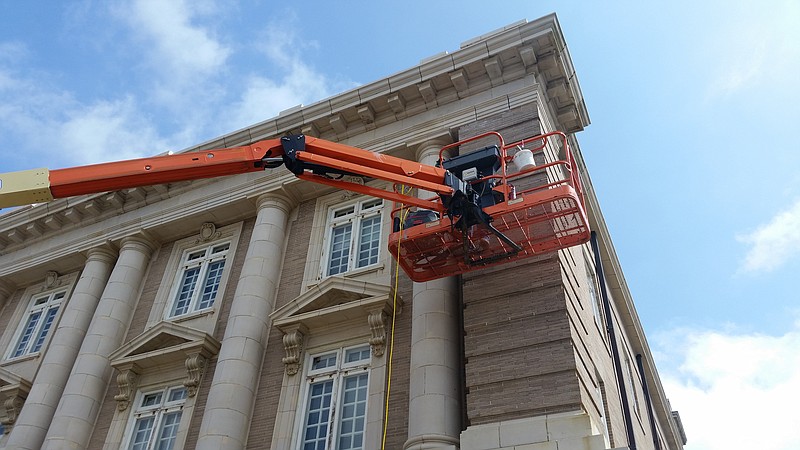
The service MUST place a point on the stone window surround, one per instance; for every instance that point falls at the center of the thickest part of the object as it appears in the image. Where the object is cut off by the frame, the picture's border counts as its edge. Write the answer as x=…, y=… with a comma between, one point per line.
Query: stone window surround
x=204, y=319
x=355, y=218
x=141, y=370
x=337, y=374
x=53, y=283
x=362, y=317
x=315, y=264
x=180, y=439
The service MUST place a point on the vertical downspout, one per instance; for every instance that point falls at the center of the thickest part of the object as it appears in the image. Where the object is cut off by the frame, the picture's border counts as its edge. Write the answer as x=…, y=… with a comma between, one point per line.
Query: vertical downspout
x=462, y=355
x=623, y=393
x=646, y=392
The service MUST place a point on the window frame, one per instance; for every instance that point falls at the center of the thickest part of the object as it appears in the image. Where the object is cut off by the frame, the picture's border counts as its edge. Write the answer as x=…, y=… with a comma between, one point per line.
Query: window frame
x=204, y=263
x=37, y=339
x=364, y=209
x=205, y=319
x=339, y=373
x=159, y=411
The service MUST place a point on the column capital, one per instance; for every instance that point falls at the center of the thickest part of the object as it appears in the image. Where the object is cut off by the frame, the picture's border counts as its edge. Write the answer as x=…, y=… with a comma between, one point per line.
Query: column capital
x=281, y=199
x=141, y=241
x=103, y=253
x=429, y=148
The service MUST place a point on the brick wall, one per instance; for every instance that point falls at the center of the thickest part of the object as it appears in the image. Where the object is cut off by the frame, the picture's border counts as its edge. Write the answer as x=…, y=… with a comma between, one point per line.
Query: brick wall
x=519, y=355
x=520, y=360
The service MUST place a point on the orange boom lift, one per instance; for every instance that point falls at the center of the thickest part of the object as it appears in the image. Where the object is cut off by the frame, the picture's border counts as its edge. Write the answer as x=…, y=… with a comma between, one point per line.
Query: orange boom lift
x=476, y=217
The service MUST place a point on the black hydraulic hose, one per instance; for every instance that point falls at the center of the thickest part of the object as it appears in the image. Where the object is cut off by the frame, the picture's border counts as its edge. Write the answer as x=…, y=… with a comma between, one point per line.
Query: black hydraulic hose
x=648, y=401
x=623, y=393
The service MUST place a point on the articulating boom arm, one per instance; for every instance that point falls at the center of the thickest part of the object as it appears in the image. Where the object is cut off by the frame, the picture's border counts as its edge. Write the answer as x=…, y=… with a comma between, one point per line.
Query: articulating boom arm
x=477, y=217
x=323, y=159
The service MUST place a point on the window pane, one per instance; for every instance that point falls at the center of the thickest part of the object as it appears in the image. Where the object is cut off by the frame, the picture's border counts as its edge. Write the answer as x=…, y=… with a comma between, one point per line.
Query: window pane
x=343, y=212
x=49, y=317
x=371, y=204
x=169, y=431
x=323, y=361
x=220, y=248
x=27, y=333
x=196, y=255
x=151, y=399
x=185, y=291
x=211, y=285
x=352, y=355
x=354, y=407
x=319, y=409
x=369, y=241
x=340, y=249
x=176, y=394
x=141, y=433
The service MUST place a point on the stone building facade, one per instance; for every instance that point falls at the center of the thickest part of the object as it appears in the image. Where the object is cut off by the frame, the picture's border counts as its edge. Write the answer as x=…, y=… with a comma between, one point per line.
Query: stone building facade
x=227, y=313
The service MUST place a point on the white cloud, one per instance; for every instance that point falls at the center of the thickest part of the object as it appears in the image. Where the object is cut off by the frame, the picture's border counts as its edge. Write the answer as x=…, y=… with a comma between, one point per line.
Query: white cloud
x=181, y=48
x=177, y=91
x=734, y=390
x=50, y=127
x=263, y=97
x=109, y=131
x=774, y=243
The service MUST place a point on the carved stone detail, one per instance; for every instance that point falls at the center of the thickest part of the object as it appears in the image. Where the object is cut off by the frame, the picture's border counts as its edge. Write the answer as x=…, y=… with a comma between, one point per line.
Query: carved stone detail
x=377, y=324
x=196, y=367
x=293, y=344
x=13, y=405
x=50, y=279
x=127, y=381
x=208, y=232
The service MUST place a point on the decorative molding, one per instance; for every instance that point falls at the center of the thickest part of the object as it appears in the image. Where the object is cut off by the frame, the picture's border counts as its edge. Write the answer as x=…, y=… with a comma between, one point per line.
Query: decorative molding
x=377, y=320
x=13, y=406
x=50, y=279
x=195, y=367
x=127, y=381
x=208, y=232
x=293, y=345
x=15, y=392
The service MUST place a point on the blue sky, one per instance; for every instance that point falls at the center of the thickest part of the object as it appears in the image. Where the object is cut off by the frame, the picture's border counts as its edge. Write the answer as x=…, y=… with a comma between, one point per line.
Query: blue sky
x=691, y=149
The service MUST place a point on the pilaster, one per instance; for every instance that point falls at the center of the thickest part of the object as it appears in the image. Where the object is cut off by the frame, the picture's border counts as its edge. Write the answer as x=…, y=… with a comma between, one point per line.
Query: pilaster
x=79, y=406
x=37, y=414
x=229, y=408
x=434, y=407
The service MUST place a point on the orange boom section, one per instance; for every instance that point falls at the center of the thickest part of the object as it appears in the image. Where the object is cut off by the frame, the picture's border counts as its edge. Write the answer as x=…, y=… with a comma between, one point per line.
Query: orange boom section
x=547, y=216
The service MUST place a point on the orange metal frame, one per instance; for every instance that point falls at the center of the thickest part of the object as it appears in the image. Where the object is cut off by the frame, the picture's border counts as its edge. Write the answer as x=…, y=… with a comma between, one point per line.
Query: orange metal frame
x=547, y=217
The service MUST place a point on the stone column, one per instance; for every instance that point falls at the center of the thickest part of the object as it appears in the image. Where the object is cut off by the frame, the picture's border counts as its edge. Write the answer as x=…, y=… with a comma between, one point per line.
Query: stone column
x=31, y=426
x=434, y=407
x=229, y=408
x=77, y=411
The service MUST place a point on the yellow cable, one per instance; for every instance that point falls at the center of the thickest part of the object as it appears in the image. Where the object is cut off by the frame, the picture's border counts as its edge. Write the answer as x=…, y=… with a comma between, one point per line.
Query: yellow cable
x=403, y=215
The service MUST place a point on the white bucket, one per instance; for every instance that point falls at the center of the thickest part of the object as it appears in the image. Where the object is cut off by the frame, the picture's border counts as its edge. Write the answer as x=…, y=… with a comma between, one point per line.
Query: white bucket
x=523, y=160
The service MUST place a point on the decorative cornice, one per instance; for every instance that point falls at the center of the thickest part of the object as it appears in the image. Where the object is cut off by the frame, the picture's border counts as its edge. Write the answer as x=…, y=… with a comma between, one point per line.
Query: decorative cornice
x=147, y=353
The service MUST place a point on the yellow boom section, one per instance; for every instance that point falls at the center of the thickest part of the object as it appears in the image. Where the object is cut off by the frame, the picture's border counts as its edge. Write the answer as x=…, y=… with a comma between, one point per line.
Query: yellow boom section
x=25, y=187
